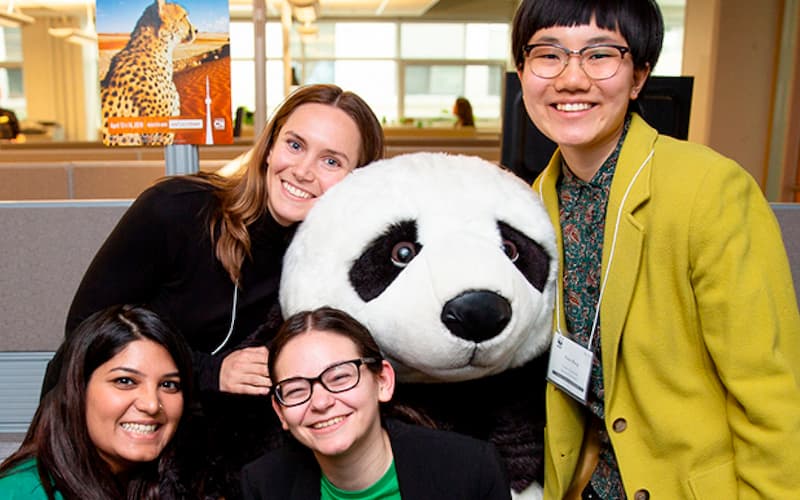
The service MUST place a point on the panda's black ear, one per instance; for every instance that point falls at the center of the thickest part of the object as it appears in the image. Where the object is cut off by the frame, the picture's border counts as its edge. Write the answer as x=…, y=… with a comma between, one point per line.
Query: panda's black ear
x=531, y=259
x=384, y=259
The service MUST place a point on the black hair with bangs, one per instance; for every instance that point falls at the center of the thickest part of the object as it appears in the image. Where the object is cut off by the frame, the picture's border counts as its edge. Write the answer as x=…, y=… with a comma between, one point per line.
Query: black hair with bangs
x=639, y=21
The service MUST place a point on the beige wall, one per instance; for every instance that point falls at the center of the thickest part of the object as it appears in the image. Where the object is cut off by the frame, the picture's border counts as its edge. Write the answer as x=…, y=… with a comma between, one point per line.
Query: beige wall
x=699, y=50
x=731, y=48
x=59, y=84
x=744, y=81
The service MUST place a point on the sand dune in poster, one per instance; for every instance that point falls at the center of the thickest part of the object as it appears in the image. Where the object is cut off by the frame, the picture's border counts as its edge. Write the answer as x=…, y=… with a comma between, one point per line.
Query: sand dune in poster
x=191, y=83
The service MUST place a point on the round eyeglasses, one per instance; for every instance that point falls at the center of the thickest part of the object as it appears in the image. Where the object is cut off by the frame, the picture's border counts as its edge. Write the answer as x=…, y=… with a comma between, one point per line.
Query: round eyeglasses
x=336, y=378
x=600, y=61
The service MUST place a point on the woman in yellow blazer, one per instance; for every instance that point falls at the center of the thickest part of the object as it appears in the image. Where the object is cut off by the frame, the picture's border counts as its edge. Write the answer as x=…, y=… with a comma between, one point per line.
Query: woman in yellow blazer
x=676, y=366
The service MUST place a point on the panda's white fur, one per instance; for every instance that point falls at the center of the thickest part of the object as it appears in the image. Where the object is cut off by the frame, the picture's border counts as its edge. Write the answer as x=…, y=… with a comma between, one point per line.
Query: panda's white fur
x=456, y=202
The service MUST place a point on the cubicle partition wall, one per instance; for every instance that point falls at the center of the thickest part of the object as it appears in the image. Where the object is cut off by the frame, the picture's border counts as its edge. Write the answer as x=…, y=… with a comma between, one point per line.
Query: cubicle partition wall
x=788, y=215
x=44, y=250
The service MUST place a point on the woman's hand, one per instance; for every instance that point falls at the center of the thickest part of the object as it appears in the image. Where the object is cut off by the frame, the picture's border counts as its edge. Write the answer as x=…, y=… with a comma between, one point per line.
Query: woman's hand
x=245, y=372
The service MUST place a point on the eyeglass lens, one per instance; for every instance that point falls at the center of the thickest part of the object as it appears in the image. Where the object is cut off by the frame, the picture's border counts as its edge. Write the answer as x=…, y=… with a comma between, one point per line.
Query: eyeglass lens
x=598, y=61
x=337, y=378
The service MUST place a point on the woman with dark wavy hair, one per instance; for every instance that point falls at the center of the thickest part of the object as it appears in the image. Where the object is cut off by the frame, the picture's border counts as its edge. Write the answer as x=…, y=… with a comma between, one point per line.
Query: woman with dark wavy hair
x=107, y=428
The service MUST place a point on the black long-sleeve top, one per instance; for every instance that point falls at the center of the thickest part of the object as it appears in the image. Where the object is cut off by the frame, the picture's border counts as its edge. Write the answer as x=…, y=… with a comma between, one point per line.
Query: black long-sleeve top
x=430, y=464
x=160, y=255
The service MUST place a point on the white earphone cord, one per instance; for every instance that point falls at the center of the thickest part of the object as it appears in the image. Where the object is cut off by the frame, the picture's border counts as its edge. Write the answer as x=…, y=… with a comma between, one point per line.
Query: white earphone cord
x=233, y=320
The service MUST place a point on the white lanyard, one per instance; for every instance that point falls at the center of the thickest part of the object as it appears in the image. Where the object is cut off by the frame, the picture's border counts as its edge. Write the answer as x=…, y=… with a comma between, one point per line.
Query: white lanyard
x=570, y=363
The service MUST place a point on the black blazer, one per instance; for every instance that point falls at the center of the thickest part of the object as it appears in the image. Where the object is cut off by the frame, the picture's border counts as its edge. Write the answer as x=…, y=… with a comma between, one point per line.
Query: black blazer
x=429, y=463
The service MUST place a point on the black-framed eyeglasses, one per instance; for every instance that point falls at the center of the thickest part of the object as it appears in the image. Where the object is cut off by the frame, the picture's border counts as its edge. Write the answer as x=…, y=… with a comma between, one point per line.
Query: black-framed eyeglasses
x=336, y=378
x=599, y=61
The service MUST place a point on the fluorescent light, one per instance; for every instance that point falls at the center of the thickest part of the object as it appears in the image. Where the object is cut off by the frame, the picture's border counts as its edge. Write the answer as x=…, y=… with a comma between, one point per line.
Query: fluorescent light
x=11, y=19
x=308, y=32
x=74, y=35
x=381, y=7
x=302, y=3
x=305, y=15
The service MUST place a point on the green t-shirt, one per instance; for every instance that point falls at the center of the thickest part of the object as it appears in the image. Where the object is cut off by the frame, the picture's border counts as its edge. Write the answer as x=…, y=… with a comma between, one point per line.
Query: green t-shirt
x=385, y=488
x=22, y=483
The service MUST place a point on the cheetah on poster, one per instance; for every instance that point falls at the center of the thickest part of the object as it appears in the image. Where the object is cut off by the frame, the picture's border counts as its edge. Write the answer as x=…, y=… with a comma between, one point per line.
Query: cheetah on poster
x=164, y=71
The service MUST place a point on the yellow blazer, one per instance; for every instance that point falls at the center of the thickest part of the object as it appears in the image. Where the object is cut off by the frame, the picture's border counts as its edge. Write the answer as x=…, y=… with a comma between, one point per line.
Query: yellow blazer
x=699, y=327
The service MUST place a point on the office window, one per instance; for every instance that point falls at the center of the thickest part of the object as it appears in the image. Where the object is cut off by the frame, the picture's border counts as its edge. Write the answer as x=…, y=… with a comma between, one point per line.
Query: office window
x=420, y=56
x=434, y=79
x=243, y=90
x=406, y=69
x=243, y=93
x=243, y=41
x=374, y=80
x=431, y=90
x=671, y=60
x=12, y=92
x=432, y=41
x=456, y=41
x=11, y=83
x=487, y=41
x=10, y=44
x=364, y=40
x=323, y=44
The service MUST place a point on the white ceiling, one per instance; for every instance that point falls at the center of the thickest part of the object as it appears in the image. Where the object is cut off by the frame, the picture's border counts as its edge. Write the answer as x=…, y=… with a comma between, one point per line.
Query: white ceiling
x=359, y=8
x=486, y=10
x=480, y=10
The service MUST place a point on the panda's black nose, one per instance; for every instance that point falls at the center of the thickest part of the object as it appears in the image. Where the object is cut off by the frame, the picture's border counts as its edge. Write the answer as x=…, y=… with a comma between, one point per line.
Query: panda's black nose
x=476, y=315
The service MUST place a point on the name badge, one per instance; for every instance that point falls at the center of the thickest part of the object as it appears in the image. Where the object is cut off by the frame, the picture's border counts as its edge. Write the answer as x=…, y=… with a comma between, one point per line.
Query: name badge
x=570, y=367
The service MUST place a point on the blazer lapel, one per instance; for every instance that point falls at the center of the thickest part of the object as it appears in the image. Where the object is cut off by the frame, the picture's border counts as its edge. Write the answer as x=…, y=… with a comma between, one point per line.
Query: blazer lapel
x=624, y=236
x=306, y=482
x=406, y=464
x=545, y=187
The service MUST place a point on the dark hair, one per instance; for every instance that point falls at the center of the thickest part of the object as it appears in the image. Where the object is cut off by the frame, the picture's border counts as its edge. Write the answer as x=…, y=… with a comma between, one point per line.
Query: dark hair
x=463, y=110
x=58, y=437
x=243, y=198
x=326, y=319
x=639, y=22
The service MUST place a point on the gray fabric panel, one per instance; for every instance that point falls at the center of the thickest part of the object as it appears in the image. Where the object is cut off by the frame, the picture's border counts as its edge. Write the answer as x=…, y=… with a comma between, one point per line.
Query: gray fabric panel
x=44, y=250
x=788, y=215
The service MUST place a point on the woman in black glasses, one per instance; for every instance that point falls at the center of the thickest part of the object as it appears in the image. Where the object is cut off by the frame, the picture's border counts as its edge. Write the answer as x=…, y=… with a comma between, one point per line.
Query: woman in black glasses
x=331, y=381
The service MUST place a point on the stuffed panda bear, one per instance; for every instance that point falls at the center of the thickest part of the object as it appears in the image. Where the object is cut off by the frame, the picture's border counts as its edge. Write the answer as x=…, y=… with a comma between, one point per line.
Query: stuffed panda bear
x=451, y=263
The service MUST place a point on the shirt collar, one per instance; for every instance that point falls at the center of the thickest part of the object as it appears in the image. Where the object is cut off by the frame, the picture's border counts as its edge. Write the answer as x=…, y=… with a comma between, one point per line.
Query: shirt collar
x=602, y=178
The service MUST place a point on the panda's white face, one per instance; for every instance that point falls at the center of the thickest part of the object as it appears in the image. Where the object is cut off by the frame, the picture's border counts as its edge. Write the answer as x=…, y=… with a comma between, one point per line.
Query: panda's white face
x=448, y=260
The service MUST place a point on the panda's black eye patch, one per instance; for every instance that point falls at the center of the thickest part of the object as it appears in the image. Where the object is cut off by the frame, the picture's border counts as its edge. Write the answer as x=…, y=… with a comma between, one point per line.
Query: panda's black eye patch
x=531, y=259
x=384, y=259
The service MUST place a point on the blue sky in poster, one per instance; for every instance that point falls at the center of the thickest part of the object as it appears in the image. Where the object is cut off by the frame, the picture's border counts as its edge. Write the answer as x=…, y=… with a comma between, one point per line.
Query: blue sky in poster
x=120, y=16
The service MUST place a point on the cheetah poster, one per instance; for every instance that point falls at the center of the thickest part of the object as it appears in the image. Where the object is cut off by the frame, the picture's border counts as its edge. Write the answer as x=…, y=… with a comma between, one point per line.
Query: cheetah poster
x=164, y=69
